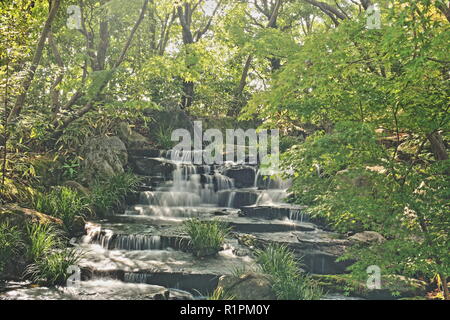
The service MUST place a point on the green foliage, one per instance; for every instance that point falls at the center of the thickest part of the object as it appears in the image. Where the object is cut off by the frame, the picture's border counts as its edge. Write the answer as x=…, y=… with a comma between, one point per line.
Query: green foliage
x=108, y=195
x=207, y=237
x=42, y=239
x=378, y=97
x=104, y=122
x=277, y=260
x=164, y=137
x=53, y=269
x=10, y=243
x=70, y=169
x=286, y=142
x=361, y=187
x=49, y=258
x=288, y=282
x=220, y=294
x=64, y=203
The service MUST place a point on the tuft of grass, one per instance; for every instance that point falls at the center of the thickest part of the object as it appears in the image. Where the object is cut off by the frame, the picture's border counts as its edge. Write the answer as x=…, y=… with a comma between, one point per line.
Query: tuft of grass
x=49, y=259
x=207, y=237
x=277, y=260
x=164, y=137
x=64, y=203
x=108, y=195
x=10, y=243
x=239, y=271
x=42, y=239
x=53, y=269
x=220, y=294
x=288, y=283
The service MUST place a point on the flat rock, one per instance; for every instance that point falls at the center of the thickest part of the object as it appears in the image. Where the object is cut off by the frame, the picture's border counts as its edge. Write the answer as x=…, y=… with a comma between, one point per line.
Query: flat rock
x=249, y=286
x=102, y=289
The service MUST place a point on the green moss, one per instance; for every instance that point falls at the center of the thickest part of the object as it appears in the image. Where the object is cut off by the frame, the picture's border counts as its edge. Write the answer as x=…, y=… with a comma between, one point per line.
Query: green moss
x=392, y=287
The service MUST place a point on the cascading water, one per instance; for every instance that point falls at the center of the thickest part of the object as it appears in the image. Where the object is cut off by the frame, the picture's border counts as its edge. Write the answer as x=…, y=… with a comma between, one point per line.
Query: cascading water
x=192, y=189
x=274, y=189
x=144, y=247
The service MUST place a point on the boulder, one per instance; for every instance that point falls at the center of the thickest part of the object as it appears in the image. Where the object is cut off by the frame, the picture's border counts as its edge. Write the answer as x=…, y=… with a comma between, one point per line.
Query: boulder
x=367, y=237
x=132, y=139
x=78, y=227
x=103, y=289
x=103, y=157
x=18, y=216
x=78, y=187
x=152, y=166
x=249, y=286
x=244, y=176
x=239, y=198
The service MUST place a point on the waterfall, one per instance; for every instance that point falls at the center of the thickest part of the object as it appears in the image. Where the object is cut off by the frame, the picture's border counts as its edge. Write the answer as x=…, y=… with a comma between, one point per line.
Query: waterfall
x=269, y=197
x=231, y=197
x=108, y=240
x=271, y=182
x=192, y=187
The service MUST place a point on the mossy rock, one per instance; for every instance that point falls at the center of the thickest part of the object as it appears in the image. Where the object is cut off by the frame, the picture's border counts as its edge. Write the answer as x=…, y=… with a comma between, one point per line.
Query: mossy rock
x=249, y=286
x=18, y=216
x=247, y=240
x=392, y=287
x=78, y=187
x=132, y=139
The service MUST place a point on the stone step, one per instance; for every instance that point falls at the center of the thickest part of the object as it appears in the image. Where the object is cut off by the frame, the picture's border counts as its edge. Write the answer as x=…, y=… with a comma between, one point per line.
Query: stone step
x=173, y=212
x=148, y=166
x=243, y=175
x=99, y=262
x=281, y=211
x=99, y=289
x=317, y=251
x=112, y=241
x=238, y=198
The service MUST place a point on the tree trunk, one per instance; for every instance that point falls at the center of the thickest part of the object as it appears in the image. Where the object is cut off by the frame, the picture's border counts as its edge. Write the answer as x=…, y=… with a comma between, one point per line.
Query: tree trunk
x=103, y=45
x=54, y=91
x=244, y=75
x=445, y=9
x=64, y=123
x=438, y=146
x=188, y=94
x=15, y=112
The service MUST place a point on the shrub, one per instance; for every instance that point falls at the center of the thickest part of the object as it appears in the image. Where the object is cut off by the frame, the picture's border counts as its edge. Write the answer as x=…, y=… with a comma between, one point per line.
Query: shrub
x=49, y=260
x=164, y=137
x=64, y=203
x=287, y=142
x=42, y=239
x=277, y=260
x=108, y=195
x=207, y=237
x=52, y=269
x=288, y=283
x=10, y=243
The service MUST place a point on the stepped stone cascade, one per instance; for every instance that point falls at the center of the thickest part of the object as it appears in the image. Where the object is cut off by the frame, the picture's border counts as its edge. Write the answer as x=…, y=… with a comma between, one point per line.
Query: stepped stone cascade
x=144, y=249
x=145, y=244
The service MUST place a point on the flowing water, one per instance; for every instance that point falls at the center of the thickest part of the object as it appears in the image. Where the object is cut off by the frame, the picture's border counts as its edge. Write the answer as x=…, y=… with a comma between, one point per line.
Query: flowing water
x=144, y=245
